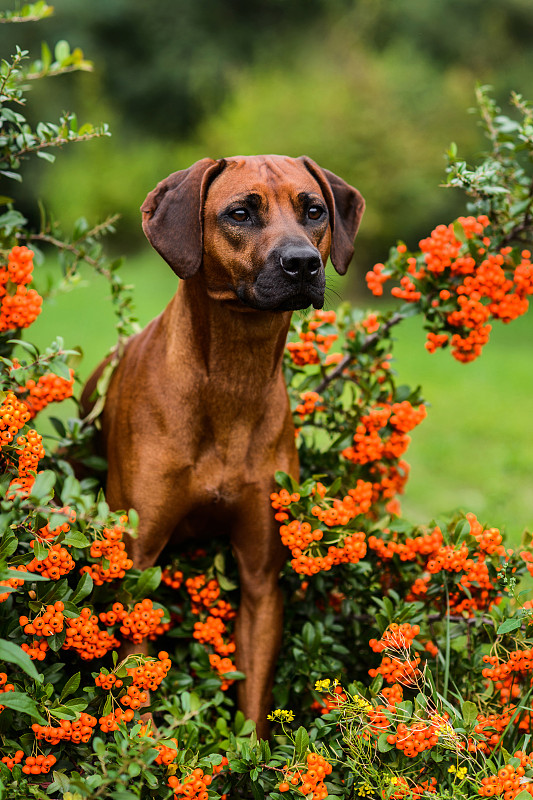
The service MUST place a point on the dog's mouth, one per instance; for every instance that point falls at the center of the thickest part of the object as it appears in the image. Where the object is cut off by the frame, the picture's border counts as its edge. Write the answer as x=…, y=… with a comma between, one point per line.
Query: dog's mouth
x=295, y=301
x=300, y=301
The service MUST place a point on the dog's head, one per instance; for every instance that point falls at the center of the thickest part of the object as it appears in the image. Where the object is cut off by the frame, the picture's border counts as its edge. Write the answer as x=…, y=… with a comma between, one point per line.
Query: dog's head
x=260, y=227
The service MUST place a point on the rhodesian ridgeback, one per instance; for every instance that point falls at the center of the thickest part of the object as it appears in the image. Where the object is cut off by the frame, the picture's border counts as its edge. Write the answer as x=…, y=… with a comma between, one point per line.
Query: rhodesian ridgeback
x=197, y=418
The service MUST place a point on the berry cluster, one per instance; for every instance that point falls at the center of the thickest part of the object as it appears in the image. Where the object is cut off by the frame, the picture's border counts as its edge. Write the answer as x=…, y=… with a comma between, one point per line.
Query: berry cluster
x=193, y=786
x=143, y=622
x=13, y=583
x=134, y=697
x=14, y=415
x=80, y=730
x=203, y=593
x=310, y=402
x=402, y=788
x=35, y=649
x=165, y=754
x=30, y=453
x=38, y=765
x=509, y=676
x=471, y=563
x=313, y=550
x=85, y=637
x=309, y=783
x=341, y=512
x=113, y=561
x=212, y=631
x=5, y=687
x=280, y=501
x=48, y=623
x=20, y=308
x=353, y=549
x=509, y=780
x=222, y=666
x=396, y=670
x=390, y=544
x=382, y=433
x=307, y=350
x=57, y=563
x=150, y=672
x=417, y=737
x=489, y=729
x=46, y=534
x=112, y=721
x=10, y=761
x=460, y=284
x=172, y=577
x=108, y=681
x=49, y=388
x=396, y=637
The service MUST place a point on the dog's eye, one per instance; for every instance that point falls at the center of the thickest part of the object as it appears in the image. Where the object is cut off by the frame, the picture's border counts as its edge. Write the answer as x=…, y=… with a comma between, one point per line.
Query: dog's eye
x=314, y=212
x=239, y=214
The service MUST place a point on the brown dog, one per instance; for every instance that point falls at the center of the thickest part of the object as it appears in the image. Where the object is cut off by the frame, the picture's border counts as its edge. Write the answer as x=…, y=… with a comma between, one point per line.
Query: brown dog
x=197, y=417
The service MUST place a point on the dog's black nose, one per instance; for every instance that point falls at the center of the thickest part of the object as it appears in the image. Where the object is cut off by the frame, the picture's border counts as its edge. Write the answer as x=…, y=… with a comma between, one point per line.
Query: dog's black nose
x=300, y=261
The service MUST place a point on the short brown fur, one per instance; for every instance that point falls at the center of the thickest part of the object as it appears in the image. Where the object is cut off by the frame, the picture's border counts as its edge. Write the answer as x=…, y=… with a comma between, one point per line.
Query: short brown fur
x=197, y=417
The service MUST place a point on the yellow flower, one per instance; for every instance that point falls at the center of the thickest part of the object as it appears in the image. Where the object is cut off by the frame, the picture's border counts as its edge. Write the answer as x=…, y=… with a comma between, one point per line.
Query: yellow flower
x=452, y=768
x=361, y=704
x=281, y=715
x=365, y=790
x=322, y=686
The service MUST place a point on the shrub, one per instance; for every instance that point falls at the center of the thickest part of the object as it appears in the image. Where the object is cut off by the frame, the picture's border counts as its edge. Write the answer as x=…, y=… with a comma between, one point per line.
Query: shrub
x=407, y=659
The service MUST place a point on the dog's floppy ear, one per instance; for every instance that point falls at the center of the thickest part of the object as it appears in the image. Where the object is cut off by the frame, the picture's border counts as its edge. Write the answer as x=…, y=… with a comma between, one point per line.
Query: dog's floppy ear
x=172, y=215
x=345, y=206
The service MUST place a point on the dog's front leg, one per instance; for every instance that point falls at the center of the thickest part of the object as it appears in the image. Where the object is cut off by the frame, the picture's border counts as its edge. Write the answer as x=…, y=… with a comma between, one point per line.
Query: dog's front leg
x=259, y=625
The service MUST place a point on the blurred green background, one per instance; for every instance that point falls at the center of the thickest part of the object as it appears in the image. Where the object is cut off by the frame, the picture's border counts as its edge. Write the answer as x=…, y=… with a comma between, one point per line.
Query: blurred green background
x=374, y=90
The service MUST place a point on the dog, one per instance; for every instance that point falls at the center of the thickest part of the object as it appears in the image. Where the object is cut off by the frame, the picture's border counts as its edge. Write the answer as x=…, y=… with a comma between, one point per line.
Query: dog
x=197, y=419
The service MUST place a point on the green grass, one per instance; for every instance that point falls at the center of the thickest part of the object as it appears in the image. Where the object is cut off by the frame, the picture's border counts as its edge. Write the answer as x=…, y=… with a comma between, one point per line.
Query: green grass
x=475, y=449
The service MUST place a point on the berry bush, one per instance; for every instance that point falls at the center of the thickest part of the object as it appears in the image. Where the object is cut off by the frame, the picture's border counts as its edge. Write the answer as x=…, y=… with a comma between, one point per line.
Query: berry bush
x=406, y=669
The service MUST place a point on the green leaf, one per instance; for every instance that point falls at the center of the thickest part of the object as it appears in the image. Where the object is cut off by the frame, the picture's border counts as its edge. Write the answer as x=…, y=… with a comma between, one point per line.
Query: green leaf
x=83, y=589
x=61, y=369
x=469, y=712
x=18, y=701
x=62, y=51
x=285, y=481
x=383, y=745
x=71, y=686
x=6, y=574
x=148, y=581
x=44, y=483
x=225, y=584
x=462, y=529
x=76, y=539
x=509, y=625
x=46, y=56
x=11, y=652
x=9, y=544
x=56, y=519
x=39, y=550
x=257, y=790
x=301, y=743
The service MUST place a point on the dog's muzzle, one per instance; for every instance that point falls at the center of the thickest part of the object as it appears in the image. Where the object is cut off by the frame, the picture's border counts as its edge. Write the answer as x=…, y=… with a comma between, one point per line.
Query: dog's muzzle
x=293, y=278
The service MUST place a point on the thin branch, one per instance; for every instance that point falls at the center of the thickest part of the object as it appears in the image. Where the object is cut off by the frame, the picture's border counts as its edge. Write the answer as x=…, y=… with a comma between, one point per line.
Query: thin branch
x=58, y=142
x=73, y=247
x=368, y=343
x=52, y=73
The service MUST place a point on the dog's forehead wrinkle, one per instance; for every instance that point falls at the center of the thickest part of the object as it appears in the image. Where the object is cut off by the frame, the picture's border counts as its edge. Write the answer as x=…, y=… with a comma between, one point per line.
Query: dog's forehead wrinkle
x=271, y=173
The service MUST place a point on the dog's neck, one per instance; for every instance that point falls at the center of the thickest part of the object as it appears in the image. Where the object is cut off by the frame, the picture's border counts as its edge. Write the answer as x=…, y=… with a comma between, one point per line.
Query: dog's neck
x=231, y=344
